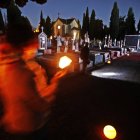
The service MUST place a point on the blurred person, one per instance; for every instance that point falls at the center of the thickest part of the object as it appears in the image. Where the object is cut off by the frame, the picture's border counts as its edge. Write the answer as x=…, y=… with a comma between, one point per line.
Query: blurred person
x=84, y=55
x=25, y=95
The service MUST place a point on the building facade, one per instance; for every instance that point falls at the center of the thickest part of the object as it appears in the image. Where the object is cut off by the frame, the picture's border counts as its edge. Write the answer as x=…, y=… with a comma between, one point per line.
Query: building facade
x=66, y=27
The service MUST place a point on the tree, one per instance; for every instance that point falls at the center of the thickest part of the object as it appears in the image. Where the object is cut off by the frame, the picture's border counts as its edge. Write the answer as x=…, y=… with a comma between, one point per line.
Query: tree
x=42, y=22
x=98, y=30
x=83, y=30
x=122, y=28
x=85, y=25
x=2, y=27
x=130, y=22
x=19, y=29
x=114, y=21
x=21, y=3
x=13, y=13
x=138, y=27
x=92, y=25
x=4, y=3
x=106, y=31
x=48, y=26
x=87, y=20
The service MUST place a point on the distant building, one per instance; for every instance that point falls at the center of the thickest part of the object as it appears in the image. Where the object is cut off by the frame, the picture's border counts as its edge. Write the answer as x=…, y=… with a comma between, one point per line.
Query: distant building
x=66, y=27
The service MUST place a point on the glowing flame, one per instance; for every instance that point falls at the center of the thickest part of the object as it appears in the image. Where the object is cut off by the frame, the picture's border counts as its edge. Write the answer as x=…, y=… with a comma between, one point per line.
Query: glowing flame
x=64, y=62
x=109, y=62
x=110, y=132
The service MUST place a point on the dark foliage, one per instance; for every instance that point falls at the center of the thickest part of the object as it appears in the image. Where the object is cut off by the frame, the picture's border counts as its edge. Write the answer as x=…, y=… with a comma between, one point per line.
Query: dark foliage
x=20, y=3
x=130, y=22
x=19, y=32
x=2, y=27
x=40, y=1
x=13, y=13
x=4, y=3
x=114, y=21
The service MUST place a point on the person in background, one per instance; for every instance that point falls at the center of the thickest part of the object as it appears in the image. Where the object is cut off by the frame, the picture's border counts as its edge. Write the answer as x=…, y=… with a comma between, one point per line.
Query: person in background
x=84, y=55
x=26, y=98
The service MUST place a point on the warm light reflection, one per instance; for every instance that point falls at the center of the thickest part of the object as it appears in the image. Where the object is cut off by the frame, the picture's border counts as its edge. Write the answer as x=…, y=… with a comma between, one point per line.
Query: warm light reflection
x=110, y=132
x=64, y=62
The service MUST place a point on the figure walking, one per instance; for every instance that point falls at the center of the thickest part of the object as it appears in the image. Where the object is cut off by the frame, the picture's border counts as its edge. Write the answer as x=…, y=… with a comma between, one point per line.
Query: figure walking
x=85, y=57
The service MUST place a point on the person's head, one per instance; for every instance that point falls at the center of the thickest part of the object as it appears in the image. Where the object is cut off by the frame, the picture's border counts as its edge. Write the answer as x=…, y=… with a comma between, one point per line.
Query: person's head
x=19, y=33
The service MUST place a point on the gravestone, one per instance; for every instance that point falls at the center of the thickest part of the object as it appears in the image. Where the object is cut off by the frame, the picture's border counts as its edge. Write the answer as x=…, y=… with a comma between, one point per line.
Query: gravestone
x=42, y=37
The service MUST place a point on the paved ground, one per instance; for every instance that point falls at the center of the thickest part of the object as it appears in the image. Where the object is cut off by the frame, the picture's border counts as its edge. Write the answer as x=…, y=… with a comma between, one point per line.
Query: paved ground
x=86, y=103
x=126, y=68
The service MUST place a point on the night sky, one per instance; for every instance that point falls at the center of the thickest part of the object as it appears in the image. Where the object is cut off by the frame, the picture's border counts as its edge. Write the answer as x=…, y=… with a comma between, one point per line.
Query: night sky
x=76, y=8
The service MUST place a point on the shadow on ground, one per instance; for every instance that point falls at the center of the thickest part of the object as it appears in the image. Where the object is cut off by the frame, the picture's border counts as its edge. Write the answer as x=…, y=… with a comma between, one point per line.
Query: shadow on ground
x=85, y=104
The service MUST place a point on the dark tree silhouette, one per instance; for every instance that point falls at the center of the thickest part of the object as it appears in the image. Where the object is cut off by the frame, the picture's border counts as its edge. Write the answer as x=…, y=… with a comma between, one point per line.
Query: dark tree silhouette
x=48, y=26
x=2, y=26
x=138, y=27
x=92, y=25
x=4, y=3
x=87, y=20
x=130, y=22
x=83, y=30
x=98, y=29
x=122, y=28
x=114, y=21
x=42, y=22
x=13, y=13
x=106, y=30
x=19, y=29
x=21, y=3
x=40, y=1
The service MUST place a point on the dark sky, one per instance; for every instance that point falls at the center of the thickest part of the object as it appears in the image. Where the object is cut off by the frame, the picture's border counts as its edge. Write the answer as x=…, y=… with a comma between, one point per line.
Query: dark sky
x=76, y=8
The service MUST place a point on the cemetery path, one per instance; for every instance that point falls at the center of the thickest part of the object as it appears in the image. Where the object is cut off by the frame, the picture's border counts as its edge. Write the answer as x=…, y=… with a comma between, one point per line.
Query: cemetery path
x=126, y=68
x=85, y=103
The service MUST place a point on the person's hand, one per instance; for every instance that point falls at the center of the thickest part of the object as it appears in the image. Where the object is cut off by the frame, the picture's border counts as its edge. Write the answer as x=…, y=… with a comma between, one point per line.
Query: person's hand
x=59, y=75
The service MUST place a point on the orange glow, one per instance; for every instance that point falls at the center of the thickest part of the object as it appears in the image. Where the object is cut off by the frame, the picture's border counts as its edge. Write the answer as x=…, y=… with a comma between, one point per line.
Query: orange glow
x=26, y=95
x=110, y=132
x=64, y=62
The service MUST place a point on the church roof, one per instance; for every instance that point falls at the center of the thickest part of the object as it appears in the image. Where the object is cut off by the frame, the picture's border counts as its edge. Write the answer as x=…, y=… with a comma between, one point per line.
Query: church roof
x=66, y=21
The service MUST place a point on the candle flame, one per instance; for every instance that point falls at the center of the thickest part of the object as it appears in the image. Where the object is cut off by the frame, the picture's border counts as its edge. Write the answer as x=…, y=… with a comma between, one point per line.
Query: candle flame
x=64, y=62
